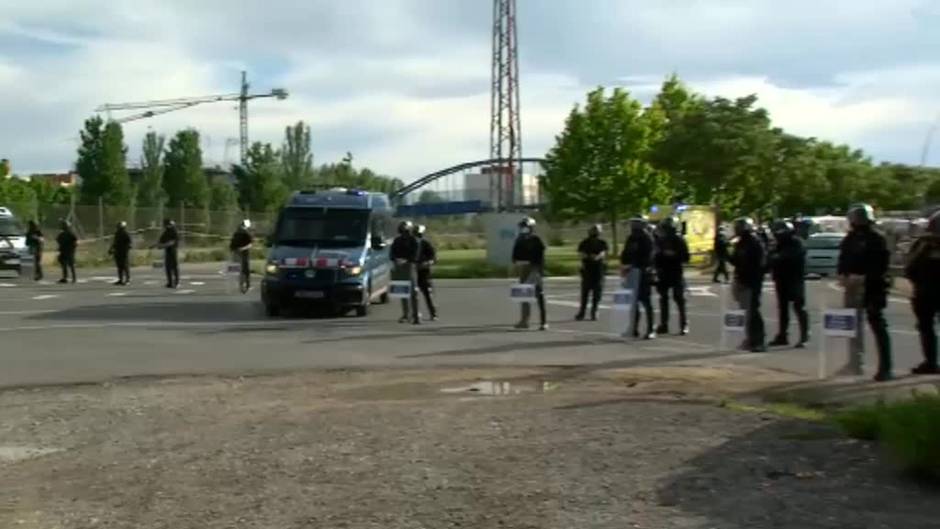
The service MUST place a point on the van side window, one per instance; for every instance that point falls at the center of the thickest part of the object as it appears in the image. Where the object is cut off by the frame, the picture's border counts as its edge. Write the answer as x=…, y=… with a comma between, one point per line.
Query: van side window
x=381, y=224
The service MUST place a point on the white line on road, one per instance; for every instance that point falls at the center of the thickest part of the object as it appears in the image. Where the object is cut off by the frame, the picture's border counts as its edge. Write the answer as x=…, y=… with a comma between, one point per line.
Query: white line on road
x=197, y=283
x=184, y=292
x=116, y=294
x=45, y=296
x=151, y=283
x=24, y=312
x=7, y=285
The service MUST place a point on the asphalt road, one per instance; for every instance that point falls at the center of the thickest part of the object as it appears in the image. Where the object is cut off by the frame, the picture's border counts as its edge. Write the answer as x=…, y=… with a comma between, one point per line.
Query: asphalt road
x=93, y=331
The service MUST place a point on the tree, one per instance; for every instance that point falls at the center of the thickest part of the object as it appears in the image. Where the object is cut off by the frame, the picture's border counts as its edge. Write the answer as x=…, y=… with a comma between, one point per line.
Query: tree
x=296, y=158
x=600, y=164
x=150, y=191
x=102, y=163
x=222, y=195
x=932, y=196
x=260, y=182
x=184, y=181
x=429, y=197
x=5, y=170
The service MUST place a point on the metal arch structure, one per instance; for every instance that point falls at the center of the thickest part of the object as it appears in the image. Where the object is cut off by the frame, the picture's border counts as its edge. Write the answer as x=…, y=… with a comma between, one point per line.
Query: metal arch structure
x=163, y=106
x=505, y=125
x=398, y=194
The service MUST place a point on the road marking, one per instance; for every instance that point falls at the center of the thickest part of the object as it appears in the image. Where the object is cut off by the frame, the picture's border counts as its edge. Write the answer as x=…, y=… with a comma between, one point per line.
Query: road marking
x=45, y=296
x=116, y=294
x=197, y=283
x=101, y=278
x=704, y=291
x=7, y=285
x=21, y=312
x=82, y=281
x=184, y=292
x=150, y=283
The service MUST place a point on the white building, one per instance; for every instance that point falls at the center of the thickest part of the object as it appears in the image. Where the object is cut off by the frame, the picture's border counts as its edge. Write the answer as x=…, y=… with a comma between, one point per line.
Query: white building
x=482, y=186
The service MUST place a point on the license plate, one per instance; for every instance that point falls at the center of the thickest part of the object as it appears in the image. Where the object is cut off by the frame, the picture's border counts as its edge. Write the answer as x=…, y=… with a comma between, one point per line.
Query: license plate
x=309, y=294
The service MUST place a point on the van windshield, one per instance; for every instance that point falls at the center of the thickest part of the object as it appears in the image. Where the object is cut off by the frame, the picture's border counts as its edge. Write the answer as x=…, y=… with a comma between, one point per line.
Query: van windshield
x=10, y=226
x=324, y=227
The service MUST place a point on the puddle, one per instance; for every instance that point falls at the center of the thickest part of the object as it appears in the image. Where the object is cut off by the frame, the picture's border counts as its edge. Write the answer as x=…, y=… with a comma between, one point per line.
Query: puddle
x=19, y=453
x=497, y=388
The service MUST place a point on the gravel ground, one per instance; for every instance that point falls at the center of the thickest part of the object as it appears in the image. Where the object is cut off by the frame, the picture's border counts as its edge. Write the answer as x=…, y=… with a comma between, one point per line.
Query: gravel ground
x=390, y=450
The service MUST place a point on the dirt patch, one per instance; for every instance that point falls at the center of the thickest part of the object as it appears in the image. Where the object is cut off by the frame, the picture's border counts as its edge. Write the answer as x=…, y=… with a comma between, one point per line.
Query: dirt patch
x=324, y=450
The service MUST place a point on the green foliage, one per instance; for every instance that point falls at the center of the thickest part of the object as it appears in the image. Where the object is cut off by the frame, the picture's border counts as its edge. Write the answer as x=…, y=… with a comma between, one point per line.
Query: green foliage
x=933, y=192
x=19, y=196
x=150, y=191
x=910, y=429
x=102, y=163
x=5, y=170
x=222, y=195
x=345, y=175
x=184, y=181
x=260, y=183
x=600, y=164
x=297, y=158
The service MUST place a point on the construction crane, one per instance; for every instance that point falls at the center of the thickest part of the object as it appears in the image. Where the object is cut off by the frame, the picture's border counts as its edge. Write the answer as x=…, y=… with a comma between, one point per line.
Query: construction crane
x=155, y=108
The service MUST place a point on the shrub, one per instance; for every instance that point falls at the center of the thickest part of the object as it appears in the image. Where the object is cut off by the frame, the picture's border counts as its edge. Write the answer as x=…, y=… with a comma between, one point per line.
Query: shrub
x=909, y=429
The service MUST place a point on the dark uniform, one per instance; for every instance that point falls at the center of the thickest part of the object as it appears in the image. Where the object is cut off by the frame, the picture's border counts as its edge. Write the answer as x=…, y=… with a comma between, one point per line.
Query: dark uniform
x=121, y=249
x=749, y=260
x=672, y=254
x=638, y=255
x=787, y=263
x=528, y=253
x=169, y=241
x=404, y=256
x=721, y=257
x=923, y=270
x=427, y=255
x=240, y=239
x=68, y=244
x=35, y=242
x=863, y=265
x=593, y=250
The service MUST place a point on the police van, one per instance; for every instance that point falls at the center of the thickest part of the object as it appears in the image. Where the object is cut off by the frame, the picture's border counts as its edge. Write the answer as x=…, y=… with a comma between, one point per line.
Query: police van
x=12, y=241
x=329, y=248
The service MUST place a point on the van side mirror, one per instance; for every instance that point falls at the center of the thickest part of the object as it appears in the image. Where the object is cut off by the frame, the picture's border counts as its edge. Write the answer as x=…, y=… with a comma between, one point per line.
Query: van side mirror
x=378, y=244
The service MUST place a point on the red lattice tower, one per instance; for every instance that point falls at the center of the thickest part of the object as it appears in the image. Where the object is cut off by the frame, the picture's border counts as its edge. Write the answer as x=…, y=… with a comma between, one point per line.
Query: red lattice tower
x=505, y=128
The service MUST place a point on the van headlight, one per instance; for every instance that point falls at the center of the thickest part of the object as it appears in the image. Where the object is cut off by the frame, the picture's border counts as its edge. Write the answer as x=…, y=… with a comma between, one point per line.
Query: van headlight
x=271, y=269
x=354, y=270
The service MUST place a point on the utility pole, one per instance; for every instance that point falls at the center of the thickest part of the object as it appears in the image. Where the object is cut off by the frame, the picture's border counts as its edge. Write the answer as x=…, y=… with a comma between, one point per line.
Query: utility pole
x=243, y=119
x=505, y=126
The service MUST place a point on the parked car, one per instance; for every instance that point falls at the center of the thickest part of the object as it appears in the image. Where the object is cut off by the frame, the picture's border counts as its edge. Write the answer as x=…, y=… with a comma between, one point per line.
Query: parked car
x=822, y=253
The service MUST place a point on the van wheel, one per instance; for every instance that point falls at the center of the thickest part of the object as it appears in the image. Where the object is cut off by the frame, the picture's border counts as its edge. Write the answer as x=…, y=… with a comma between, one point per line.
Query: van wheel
x=362, y=311
x=272, y=310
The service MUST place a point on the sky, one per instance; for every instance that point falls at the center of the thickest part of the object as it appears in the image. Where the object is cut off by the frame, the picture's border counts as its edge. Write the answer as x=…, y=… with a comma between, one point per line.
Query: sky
x=404, y=84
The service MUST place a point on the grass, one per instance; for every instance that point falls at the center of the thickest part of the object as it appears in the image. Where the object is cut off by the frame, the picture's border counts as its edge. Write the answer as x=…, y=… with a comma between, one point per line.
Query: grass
x=783, y=409
x=909, y=429
x=471, y=263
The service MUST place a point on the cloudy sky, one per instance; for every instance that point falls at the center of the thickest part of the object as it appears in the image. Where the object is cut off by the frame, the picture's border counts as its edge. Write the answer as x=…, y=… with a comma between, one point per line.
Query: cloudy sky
x=404, y=84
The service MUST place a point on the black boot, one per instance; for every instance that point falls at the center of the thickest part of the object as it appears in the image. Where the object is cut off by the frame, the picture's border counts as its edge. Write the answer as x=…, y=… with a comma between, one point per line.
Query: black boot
x=779, y=340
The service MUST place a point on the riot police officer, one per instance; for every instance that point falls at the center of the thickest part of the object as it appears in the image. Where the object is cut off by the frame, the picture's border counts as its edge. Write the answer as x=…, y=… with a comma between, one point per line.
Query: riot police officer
x=120, y=249
x=35, y=241
x=787, y=262
x=593, y=252
x=672, y=254
x=863, y=268
x=169, y=242
x=404, y=256
x=528, y=255
x=749, y=259
x=637, y=261
x=721, y=256
x=68, y=245
x=923, y=271
x=427, y=256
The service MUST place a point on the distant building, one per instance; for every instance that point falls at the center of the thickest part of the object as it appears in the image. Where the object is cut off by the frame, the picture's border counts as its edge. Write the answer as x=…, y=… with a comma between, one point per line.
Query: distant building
x=482, y=186
x=69, y=179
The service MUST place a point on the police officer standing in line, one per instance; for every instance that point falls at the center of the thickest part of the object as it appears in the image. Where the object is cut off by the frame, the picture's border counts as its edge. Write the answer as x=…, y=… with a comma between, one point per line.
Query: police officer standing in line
x=121, y=249
x=169, y=241
x=721, y=256
x=593, y=252
x=787, y=263
x=35, y=241
x=749, y=260
x=404, y=256
x=528, y=255
x=427, y=256
x=637, y=261
x=923, y=271
x=672, y=254
x=863, y=268
x=68, y=244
